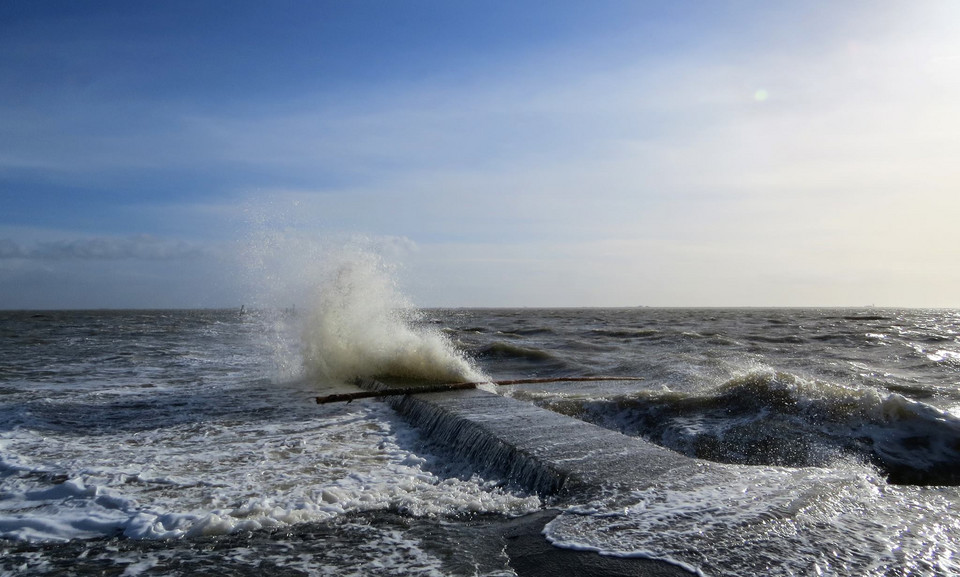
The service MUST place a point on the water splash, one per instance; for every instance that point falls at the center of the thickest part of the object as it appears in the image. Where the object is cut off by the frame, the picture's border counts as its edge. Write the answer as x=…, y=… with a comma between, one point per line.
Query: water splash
x=337, y=292
x=361, y=325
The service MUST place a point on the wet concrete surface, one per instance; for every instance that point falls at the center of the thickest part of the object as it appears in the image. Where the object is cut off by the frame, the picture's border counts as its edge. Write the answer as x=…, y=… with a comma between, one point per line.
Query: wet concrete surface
x=558, y=456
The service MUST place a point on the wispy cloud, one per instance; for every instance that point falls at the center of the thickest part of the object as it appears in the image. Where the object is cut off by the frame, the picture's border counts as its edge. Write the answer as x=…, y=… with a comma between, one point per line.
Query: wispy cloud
x=757, y=159
x=143, y=247
x=10, y=249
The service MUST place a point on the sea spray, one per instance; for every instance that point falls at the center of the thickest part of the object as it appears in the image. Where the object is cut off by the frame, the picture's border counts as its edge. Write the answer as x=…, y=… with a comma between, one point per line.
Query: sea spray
x=360, y=325
x=337, y=293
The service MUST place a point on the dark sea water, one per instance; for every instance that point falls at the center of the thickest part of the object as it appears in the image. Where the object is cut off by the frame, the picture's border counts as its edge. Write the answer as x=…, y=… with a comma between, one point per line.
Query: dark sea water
x=187, y=442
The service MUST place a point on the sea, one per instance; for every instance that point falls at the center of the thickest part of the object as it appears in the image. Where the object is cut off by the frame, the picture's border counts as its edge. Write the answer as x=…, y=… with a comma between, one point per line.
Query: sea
x=186, y=442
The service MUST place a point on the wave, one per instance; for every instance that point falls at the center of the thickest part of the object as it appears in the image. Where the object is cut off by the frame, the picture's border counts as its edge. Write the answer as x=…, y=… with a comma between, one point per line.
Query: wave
x=502, y=350
x=776, y=339
x=776, y=418
x=511, y=360
x=626, y=333
x=837, y=338
x=527, y=332
x=866, y=318
x=476, y=330
x=360, y=326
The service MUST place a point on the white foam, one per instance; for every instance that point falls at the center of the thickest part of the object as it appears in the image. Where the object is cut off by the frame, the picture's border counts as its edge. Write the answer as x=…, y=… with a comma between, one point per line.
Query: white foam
x=218, y=478
x=772, y=521
x=361, y=326
x=944, y=355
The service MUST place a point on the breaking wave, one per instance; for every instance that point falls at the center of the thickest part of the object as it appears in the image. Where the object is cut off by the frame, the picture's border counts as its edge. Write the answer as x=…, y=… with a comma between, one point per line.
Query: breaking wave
x=776, y=418
x=502, y=350
x=361, y=326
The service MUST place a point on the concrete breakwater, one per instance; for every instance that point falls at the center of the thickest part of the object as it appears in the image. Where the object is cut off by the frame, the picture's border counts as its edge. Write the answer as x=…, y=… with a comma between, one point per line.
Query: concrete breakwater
x=554, y=455
x=538, y=449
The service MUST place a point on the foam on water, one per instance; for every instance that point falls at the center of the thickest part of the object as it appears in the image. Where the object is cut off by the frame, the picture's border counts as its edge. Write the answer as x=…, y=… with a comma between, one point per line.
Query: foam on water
x=211, y=447
x=356, y=546
x=222, y=477
x=773, y=521
x=208, y=446
x=160, y=424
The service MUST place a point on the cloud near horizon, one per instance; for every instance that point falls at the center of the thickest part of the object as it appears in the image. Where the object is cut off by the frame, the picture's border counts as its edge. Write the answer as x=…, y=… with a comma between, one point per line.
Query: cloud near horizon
x=142, y=247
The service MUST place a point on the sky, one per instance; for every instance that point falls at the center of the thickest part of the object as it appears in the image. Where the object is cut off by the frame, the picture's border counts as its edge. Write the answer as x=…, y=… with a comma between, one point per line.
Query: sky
x=494, y=153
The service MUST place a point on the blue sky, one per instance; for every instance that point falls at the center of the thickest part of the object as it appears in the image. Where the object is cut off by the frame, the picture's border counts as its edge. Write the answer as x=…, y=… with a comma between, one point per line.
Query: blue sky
x=193, y=154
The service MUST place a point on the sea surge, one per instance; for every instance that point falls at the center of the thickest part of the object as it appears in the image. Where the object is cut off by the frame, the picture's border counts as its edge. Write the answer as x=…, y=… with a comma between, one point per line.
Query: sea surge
x=360, y=325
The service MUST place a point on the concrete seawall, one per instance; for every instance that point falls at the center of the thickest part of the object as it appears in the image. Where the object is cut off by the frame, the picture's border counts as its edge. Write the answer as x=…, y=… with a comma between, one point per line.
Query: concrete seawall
x=554, y=455
x=536, y=448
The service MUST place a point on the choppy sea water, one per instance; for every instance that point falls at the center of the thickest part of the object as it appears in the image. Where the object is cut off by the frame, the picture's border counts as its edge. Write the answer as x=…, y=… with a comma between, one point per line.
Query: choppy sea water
x=178, y=442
